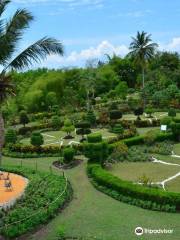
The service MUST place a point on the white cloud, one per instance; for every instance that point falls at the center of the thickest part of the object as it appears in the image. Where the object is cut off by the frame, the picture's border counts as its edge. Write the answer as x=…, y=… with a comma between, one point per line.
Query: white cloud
x=79, y=58
x=173, y=45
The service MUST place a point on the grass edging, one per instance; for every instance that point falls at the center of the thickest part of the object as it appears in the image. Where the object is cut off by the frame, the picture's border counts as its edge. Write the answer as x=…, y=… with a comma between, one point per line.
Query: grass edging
x=148, y=198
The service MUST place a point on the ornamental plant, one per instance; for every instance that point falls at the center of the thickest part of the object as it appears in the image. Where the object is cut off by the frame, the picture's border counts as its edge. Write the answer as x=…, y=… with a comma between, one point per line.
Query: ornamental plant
x=24, y=118
x=10, y=136
x=68, y=128
x=55, y=122
x=37, y=139
x=138, y=112
x=83, y=128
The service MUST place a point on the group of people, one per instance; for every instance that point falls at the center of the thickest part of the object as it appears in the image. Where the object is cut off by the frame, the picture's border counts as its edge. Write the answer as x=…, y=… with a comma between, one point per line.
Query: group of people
x=7, y=181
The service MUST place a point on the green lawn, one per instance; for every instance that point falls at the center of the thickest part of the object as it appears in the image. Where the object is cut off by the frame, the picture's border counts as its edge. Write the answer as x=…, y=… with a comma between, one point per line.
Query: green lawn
x=177, y=149
x=173, y=185
x=94, y=213
x=55, y=137
x=154, y=171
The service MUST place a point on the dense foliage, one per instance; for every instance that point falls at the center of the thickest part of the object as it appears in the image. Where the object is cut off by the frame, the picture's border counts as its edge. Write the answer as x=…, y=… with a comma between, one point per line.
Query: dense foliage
x=44, y=194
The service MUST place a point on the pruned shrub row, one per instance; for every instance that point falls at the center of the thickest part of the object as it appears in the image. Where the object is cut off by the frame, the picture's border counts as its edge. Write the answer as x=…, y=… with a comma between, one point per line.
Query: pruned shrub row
x=132, y=193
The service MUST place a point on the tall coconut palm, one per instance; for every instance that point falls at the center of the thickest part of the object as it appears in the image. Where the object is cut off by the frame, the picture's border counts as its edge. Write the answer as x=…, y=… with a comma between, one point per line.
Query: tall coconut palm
x=142, y=50
x=11, y=32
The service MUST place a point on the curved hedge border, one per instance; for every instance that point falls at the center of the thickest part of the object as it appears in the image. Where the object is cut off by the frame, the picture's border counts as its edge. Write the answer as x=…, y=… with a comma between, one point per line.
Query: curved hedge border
x=44, y=195
x=149, y=198
x=140, y=139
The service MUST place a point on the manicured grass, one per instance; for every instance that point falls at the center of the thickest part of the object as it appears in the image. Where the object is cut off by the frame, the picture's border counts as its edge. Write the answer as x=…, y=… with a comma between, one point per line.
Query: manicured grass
x=143, y=131
x=133, y=171
x=177, y=149
x=94, y=213
x=55, y=137
x=173, y=185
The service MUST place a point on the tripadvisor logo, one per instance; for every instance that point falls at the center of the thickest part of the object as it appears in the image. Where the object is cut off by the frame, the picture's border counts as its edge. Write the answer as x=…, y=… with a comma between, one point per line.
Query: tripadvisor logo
x=139, y=231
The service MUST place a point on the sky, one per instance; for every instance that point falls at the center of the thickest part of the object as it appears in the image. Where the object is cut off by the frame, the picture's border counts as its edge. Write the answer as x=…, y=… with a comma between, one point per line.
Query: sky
x=89, y=29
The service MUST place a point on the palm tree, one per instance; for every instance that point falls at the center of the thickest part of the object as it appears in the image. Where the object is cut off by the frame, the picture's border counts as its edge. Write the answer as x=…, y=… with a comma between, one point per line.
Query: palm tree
x=142, y=50
x=10, y=33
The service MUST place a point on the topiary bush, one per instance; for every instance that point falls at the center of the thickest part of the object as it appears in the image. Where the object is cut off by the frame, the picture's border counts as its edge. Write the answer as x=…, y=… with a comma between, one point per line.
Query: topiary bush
x=68, y=128
x=68, y=154
x=117, y=129
x=138, y=112
x=172, y=112
x=56, y=122
x=10, y=136
x=91, y=117
x=83, y=128
x=23, y=118
x=37, y=139
x=94, y=137
x=176, y=131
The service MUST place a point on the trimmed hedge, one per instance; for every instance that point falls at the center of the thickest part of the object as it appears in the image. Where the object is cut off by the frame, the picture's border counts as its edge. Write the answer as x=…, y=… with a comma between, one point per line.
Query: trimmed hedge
x=29, y=151
x=40, y=203
x=135, y=193
x=140, y=139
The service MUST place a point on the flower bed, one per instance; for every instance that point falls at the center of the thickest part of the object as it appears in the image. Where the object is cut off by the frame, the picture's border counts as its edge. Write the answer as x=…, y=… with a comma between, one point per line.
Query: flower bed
x=44, y=194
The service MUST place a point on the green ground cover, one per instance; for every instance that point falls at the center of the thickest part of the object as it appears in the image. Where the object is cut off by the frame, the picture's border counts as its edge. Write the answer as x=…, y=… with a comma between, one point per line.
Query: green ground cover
x=94, y=213
x=55, y=137
x=174, y=185
x=134, y=170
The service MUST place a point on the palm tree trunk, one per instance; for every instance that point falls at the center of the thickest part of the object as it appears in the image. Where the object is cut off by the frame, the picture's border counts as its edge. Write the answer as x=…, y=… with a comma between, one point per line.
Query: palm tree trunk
x=143, y=85
x=1, y=136
x=143, y=77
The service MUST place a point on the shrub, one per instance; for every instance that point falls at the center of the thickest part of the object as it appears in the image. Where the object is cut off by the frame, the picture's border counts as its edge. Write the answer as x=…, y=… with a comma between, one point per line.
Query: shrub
x=68, y=154
x=172, y=112
x=56, y=122
x=96, y=152
x=82, y=129
x=138, y=112
x=10, y=136
x=37, y=139
x=119, y=153
x=117, y=128
x=24, y=118
x=94, y=137
x=176, y=130
x=91, y=117
x=149, y=111
x=115, y=114
x=150, y=137
x=166, y=121
x=68, y=127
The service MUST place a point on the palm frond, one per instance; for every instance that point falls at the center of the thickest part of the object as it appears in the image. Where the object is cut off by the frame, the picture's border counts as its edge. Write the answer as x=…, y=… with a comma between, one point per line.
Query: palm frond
x=3, y=4
x=12, y=33
x=35, y=53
